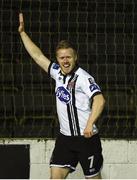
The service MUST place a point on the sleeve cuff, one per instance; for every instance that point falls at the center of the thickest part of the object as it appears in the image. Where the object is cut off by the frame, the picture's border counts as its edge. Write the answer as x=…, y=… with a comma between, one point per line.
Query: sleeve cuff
x=49, y=68
x=96, y=93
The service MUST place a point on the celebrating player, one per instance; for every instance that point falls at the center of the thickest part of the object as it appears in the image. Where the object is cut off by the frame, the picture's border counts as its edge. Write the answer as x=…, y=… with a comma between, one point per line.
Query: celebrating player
x=79, y=104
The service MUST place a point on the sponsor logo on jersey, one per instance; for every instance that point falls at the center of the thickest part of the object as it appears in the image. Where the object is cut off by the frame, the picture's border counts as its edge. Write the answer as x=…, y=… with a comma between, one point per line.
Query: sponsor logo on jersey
x=94, y=87
x=63, y=95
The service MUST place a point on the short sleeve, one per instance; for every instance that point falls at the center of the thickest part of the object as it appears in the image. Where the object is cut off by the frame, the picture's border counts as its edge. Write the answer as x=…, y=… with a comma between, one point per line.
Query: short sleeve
x=53, y=70
x=90, y=87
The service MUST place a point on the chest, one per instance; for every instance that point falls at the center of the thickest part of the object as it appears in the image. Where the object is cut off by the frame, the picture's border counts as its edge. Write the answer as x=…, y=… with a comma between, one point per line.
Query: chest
x=68, y=82
x=67, y=88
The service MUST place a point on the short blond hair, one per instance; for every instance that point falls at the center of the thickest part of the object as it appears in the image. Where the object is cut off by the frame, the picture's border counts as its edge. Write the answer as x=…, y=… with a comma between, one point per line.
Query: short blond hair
x=64, y=44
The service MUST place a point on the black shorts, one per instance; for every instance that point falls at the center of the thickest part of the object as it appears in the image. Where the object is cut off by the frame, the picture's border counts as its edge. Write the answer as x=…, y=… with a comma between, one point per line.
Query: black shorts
x=69, y=150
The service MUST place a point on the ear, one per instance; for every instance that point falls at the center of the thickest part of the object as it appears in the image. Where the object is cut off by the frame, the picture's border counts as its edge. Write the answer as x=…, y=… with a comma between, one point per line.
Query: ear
x=76, y=57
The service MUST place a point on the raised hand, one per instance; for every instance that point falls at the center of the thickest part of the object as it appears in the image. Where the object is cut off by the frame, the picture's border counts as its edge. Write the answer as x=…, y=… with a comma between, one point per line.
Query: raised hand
x=21, y=23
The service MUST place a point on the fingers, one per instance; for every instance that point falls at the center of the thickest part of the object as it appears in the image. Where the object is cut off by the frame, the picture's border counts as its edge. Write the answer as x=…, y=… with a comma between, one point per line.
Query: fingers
x=21, y=23
x=21, y=18
x=87, y=134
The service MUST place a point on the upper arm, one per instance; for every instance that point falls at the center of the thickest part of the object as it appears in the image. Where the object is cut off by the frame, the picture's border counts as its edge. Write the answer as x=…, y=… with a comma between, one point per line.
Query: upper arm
x=90, y=87
x=99, y=97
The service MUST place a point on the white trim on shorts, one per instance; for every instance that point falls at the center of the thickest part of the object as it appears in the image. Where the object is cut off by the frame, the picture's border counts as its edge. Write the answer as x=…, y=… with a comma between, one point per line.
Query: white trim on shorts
x=63, y=166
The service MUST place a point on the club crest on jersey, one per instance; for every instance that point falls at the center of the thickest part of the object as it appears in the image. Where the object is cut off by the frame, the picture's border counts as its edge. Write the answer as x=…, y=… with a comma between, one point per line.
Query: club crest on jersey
x=71, y=85
x=63, y=95
x=94, y=87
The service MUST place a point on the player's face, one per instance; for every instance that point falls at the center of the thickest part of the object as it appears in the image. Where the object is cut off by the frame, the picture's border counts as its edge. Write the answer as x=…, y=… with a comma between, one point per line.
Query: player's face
x=67, y=59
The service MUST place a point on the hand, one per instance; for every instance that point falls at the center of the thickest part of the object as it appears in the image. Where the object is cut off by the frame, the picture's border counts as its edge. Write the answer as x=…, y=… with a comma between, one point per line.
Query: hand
x=21, y=23
x=88, y=132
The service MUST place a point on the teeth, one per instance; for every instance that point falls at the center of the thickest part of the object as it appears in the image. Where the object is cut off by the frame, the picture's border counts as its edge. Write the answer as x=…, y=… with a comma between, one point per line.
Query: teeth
x=66, y=65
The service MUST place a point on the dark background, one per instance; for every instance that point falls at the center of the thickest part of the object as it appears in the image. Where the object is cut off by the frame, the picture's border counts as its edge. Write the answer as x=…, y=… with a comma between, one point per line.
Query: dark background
x=14, y=161
x=105, y=35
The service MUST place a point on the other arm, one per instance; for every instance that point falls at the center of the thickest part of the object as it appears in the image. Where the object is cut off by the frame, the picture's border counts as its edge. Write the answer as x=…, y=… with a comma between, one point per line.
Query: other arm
x=97, y=108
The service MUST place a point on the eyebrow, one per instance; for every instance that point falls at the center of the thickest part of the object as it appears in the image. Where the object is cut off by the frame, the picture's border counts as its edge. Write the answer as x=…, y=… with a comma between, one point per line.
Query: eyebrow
x=64, y=56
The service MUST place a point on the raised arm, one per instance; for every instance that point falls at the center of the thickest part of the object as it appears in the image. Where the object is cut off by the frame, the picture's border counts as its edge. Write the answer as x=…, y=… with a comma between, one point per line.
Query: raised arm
x=32, y=49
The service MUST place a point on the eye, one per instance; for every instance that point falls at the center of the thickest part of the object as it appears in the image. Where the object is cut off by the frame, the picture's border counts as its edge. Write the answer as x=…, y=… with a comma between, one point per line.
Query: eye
x=61, y=58
x=68, y=57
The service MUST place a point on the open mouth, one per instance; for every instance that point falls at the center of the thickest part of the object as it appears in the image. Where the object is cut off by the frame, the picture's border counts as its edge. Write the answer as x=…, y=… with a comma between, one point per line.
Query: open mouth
x=66, y=65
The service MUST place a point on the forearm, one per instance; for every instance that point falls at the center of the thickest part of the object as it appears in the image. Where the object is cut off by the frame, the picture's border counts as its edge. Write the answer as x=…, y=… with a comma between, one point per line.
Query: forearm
x=32, y=49
x=35, y=51
x=97, y=108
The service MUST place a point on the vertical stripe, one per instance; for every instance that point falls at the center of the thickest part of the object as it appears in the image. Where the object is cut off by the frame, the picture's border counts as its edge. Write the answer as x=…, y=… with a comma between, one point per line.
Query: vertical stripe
x=71, y=107
x=75, y=109
x=69, y=112
x=70, y=121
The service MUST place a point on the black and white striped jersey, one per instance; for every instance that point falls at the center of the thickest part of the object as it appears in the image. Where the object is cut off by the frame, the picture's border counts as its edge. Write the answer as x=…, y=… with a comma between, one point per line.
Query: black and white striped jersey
x=74, y=93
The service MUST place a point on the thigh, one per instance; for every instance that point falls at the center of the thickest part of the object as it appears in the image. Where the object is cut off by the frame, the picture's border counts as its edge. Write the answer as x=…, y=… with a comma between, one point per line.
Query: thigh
x=90, y=156
x=59, y=173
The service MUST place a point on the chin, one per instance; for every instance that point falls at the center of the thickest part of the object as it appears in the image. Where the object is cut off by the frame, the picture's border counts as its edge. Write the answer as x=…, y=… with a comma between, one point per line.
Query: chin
x=67, y=72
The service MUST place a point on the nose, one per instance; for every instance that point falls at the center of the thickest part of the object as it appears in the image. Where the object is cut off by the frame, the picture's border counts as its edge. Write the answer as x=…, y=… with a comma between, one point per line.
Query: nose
x=65, y=59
